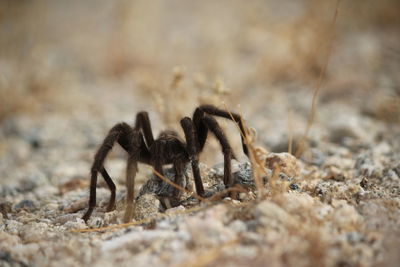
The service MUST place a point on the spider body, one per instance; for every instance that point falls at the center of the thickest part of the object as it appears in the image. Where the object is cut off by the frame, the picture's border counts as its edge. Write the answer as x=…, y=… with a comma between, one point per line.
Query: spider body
x=168, y=148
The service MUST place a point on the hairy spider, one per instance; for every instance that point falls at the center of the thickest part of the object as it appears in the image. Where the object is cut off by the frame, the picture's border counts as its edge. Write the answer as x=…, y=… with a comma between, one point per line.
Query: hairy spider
x=168, y=148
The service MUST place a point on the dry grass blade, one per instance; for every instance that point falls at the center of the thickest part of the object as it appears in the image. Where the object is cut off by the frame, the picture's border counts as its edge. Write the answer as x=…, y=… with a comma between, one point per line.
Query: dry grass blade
x=255, y=159
x=301, y=144
x=274, y=186
x=165, y=179
x=290, y=130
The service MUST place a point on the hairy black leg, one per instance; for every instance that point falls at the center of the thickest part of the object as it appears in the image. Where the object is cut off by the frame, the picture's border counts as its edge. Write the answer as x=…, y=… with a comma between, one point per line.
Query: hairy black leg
x=157, y=154
x=213, y=126
x=111, y=186
x=143, y=123
x=131, y=171
x=118, y=133
x=212, y=110
x=201, y=129
x=179, y=167
x=191, y=147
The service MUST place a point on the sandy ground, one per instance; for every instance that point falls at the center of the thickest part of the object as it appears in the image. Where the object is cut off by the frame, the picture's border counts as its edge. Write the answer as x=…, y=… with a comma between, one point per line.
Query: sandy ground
x=335, y=204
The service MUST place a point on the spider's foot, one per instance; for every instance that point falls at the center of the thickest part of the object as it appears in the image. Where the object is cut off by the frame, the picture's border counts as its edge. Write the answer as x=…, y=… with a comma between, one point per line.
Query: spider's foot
x=87, y=214
x=128, y=213
x=111, y=207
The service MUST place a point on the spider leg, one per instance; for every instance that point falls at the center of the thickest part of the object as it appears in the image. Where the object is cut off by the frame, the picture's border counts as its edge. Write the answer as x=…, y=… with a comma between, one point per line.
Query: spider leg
x=179, y=167
x=111, y=186
x=214, y=127
x=131, y=170
x=212, y=110
x=143, y=123
x=201, y=129
x=157, y=154
x=192, y=148
x=118, y=133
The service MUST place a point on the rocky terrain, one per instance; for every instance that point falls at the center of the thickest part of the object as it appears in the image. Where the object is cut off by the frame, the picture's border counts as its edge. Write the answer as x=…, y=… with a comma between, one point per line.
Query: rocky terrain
x=338, y=205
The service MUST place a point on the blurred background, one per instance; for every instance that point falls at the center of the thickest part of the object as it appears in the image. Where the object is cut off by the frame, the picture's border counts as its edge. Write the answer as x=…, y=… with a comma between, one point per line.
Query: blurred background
x=263, y=58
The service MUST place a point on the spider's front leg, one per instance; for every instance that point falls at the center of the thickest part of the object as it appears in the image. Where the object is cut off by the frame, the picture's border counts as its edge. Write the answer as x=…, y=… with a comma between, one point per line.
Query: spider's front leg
x=119, y=133
x=192, y=148
x=138, y=151
x=131, y=170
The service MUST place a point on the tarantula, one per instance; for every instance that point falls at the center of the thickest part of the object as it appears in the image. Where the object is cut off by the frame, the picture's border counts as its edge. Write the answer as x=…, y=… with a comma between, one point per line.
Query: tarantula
x=168, y=148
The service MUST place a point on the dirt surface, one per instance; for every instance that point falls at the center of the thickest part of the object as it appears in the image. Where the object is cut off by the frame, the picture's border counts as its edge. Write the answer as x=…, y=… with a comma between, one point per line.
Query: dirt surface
x=334, y=202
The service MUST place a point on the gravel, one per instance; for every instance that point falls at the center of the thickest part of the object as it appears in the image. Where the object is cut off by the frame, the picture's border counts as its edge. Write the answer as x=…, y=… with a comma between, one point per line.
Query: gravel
x=338, y=204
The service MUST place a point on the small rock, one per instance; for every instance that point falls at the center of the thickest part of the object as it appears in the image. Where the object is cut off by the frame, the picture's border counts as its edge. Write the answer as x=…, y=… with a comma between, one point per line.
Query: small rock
x=242, y=173
x=25, y=253
x=8, y=240
x=366, y=167
x=66, y=218
x=287, y=163
x=218, y=169
x=294, y=187
x=131, y=240
x=271, y=215
x=76, y=206
x=314, y=157
x=13, y=227
x=33, y=232
x=252, y=238
x=345, y=125
x=297, y=202
x=71, y=185
x=355, y=237
x=32, y=181
x=345, y=215
x=5, y=257
x=322, y=211
x=335, y=173
x=75, y=225
x=244, y=176
x=146, y=206
x=207, y=228
x=95, y=222
x=26, y=204
x=238, y=226
x=7, y=190
x=321, y=189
